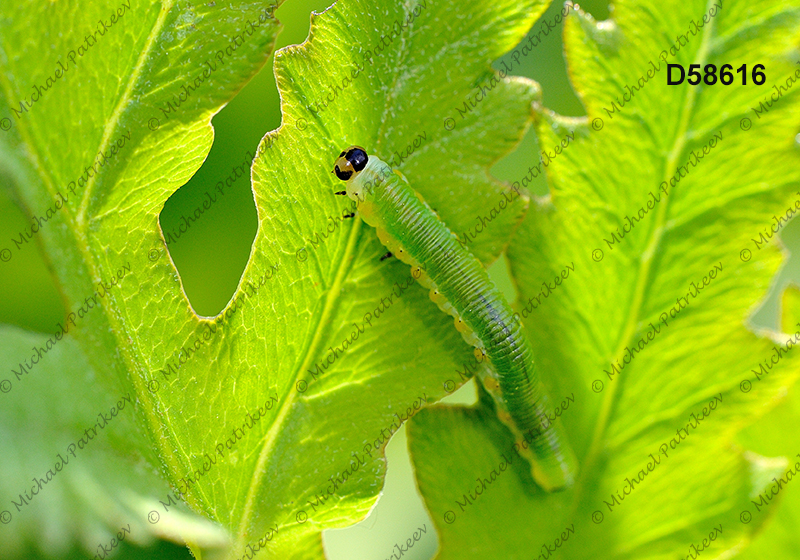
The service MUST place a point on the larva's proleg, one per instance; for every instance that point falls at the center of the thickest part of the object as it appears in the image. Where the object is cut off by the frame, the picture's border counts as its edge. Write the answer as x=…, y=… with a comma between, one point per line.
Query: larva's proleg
x=460, y=286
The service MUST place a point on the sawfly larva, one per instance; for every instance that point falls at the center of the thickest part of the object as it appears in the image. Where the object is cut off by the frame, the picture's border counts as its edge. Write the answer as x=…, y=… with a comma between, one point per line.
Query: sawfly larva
x=460, y=286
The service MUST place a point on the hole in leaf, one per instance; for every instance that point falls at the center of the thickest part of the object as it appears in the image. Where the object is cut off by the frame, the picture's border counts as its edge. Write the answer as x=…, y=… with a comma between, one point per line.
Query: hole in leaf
x=210, y=245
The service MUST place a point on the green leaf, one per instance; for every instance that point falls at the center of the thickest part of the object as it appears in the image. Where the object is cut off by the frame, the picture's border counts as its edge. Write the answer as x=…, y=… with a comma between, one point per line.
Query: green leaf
x=69, y=99
x=288, y=463
x=611, y=300
x=90, y=467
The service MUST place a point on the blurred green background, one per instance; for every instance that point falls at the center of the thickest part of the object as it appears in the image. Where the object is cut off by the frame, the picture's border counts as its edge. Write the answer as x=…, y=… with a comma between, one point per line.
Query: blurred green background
x=211, y=256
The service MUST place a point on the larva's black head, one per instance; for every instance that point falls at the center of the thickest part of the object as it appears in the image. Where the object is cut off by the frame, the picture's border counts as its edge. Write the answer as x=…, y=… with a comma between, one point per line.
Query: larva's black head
x=350, y=162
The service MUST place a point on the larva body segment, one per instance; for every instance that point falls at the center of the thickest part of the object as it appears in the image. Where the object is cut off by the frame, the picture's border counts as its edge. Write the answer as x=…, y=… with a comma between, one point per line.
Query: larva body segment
x=460, y=286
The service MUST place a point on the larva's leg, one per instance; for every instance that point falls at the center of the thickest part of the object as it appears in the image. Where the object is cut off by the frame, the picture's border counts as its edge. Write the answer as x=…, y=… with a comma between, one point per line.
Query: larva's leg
x=350, y=215
x=386, y=256
x=340, y=193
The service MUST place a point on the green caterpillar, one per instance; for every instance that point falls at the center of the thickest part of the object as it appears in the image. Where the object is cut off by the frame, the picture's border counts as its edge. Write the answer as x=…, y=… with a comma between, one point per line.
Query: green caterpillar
x=460, y=286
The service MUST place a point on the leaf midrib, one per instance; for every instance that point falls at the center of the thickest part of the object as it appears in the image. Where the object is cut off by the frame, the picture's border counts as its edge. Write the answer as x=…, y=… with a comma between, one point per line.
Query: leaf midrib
x=81, y=244
x=119, y=109
x=271, y=437
x=643, y=276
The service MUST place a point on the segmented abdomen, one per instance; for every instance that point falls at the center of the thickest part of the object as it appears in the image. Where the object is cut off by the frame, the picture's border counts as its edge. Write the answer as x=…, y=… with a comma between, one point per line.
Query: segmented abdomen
x=460, y=286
